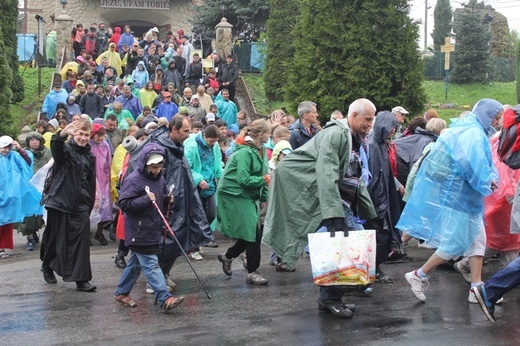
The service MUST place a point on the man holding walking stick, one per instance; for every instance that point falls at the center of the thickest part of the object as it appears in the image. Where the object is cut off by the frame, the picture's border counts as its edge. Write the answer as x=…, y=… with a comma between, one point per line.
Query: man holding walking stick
x=143, y=228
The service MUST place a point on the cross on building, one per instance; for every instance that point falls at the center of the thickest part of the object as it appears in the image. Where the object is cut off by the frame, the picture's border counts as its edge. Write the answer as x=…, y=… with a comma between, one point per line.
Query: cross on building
x=447, y=49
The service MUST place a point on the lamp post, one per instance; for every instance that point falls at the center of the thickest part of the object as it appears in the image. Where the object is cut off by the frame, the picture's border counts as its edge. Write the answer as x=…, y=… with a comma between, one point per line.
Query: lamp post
x=63, y=3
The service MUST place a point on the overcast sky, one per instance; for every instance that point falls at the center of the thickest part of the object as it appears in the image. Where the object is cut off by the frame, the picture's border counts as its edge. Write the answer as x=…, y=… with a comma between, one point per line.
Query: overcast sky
x=509, y=8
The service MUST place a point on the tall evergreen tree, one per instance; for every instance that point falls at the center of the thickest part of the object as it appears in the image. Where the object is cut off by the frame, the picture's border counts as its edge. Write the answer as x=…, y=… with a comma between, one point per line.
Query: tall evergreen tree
x=5, y=88
x=442, y=15
x=518, y=72
x=247, y=16
x=471, y=59
x=8, y=20
x=345, y=50
x=280, y=35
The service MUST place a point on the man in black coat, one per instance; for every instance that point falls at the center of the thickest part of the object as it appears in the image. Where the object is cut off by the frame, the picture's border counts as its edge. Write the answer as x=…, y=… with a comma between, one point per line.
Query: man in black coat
x=69, y=194
x=91, y=103
x=228, y=76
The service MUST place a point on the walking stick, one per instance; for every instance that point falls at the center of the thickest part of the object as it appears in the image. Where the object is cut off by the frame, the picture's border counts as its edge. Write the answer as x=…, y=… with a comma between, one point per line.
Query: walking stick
x=161, y=262
x=147, y=189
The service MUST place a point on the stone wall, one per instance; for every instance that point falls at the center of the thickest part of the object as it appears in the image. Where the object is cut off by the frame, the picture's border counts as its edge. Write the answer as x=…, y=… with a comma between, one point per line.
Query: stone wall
x=90, y=11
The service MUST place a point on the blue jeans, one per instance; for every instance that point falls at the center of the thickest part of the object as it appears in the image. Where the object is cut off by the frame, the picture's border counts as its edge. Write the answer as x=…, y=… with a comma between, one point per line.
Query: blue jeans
x=503, y=281
x=330, y=293
x=152, y=271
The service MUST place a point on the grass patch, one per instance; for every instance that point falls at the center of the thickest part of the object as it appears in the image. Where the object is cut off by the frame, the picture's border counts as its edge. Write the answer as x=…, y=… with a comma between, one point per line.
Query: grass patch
x=26, y=112
x=460, y=97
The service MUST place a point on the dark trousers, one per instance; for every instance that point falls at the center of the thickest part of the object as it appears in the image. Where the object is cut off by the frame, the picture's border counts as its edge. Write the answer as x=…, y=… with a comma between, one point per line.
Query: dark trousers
x=252, y=250
x=209, y=206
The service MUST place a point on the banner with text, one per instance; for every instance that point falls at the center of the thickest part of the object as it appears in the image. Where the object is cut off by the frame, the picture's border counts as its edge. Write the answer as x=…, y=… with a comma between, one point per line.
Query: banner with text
x=137, y=4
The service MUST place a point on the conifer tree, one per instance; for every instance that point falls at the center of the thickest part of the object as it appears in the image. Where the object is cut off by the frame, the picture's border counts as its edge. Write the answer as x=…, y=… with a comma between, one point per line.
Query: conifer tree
x=5, y=88
x=280, y=50
x=442, y=15
x=8, y=20
x=346, y=50
x=471, y=59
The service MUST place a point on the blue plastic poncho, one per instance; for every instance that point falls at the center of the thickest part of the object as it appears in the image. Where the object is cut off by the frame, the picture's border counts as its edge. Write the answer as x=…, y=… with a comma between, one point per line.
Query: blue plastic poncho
x=18, y=198
x=447, y=201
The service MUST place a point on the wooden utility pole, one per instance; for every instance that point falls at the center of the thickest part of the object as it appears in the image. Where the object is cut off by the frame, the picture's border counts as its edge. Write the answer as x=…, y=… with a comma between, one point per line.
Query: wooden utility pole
x=425, y=26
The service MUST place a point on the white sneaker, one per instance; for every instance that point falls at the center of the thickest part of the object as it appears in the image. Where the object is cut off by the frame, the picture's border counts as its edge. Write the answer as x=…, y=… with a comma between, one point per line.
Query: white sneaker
x=149, y=289
x=471, y=298
x=417, y=285
x=464, y=271
x=425, y=245
x=196, y=256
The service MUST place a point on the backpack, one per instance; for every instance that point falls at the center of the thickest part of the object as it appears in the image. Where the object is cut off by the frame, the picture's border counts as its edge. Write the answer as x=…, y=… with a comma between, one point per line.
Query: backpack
x=509, y=141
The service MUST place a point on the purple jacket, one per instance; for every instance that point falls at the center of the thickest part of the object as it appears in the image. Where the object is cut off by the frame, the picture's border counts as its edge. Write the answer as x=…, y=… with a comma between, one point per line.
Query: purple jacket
x=143, y=225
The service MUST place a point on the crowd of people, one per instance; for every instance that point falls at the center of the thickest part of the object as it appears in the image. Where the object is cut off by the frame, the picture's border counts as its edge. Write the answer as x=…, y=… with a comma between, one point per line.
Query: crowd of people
x=138, y=126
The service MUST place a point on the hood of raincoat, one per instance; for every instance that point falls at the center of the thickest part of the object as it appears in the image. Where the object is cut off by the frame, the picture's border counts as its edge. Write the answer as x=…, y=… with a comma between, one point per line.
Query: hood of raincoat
x=486, y=110
x=147, y=150
x=384, y=124
x=141, y=63
x=158, y=67
x=117, y=30
x=129, y=80
x=112, y=47
x=32, y=135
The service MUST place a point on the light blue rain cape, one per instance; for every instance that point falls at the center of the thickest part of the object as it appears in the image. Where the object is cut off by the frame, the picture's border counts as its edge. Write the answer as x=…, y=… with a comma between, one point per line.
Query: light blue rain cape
x=446, y=205
x=18, y=198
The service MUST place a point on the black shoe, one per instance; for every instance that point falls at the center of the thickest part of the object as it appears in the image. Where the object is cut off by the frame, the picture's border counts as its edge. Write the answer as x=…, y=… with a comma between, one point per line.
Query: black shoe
x=226, y=264
x=120, y=261
x=487, y=307
x=337, y=308
x=112, y=233
x=211, y=244
x=48, y=275
x=101, y=239
x=85, y=286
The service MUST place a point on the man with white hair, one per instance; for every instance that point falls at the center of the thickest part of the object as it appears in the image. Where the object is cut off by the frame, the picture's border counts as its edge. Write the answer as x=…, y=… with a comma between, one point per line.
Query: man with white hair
x=301, y=200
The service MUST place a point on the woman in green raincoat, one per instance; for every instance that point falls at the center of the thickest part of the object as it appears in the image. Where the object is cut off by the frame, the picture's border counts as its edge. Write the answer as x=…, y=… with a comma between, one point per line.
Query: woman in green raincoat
x=240, y=191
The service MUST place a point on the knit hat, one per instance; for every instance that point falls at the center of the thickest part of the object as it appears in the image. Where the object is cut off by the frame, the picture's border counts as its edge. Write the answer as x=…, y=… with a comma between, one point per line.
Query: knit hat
x=54, y=123
x=95, y=129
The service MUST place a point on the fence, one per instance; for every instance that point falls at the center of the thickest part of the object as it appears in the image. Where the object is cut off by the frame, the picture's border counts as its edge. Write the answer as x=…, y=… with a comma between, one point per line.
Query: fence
x=502, y=69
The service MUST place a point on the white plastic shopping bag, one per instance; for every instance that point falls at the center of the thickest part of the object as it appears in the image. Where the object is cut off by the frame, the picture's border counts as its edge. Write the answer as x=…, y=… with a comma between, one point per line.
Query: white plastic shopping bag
x=343, y=260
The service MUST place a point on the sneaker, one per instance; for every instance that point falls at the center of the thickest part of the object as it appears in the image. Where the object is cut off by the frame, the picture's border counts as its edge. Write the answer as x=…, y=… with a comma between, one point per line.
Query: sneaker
x=471, y=298
x=169, y=282
x=417, y=285
x=463, y=270
x=30, y=245
x=101, y=239
x=425, y=245
x=172, y=302
x=126, y=300
x=256, y=279
x=211, y=244
x=282, y=267
x=337, y=308
x=149, y=289
x=196, y=256
x=487, y=307
x=226, y=264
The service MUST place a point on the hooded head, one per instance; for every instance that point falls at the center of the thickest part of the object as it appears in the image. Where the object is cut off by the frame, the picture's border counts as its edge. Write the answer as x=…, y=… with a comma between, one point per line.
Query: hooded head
x=385, y=123
x=141, y=63
x=486, y=111
x=117, y=30
x=150, y=155
x=36, y=135
x=112, y=47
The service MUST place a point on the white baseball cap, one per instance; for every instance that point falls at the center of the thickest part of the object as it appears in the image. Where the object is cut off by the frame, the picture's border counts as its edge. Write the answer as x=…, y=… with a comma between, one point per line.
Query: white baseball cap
x=5, y=141
x=400, y=110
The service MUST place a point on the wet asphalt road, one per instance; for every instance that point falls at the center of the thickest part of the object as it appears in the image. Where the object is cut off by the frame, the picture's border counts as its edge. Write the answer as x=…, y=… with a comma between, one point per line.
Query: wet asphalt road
x=283, y=312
